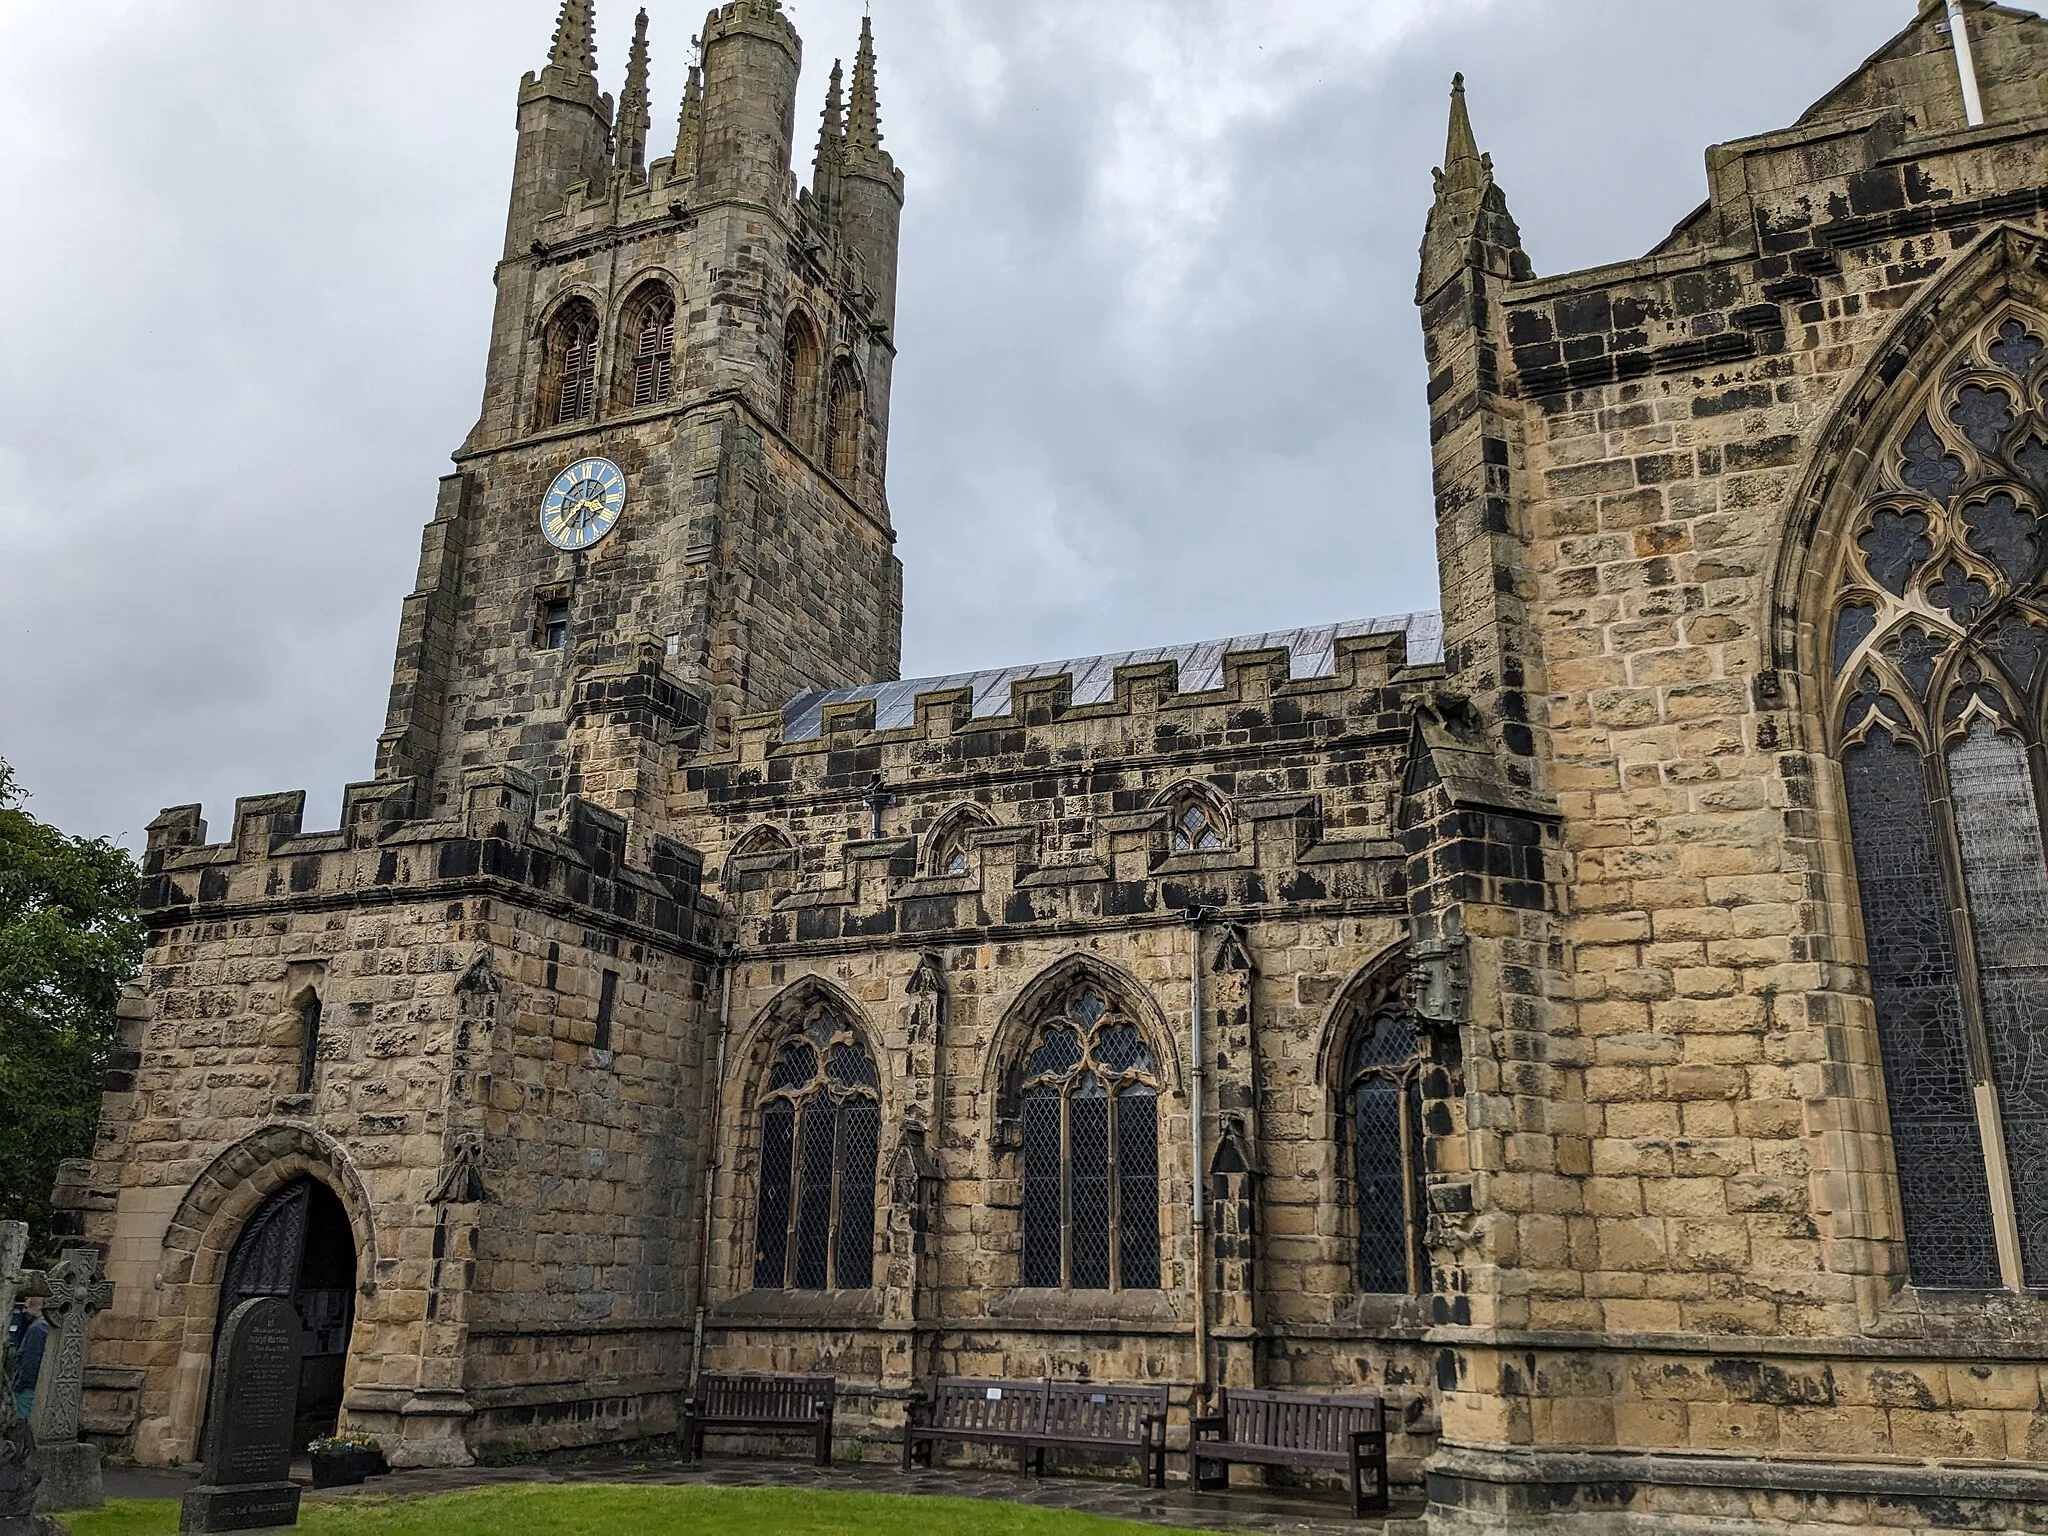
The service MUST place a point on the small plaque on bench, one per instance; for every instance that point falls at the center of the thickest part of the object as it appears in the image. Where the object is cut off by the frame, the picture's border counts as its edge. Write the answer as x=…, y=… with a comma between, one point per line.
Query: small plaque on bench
x=995, y=1394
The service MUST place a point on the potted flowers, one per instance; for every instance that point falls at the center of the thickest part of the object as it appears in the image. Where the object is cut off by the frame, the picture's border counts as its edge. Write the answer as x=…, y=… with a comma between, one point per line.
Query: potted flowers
x=345, y=1458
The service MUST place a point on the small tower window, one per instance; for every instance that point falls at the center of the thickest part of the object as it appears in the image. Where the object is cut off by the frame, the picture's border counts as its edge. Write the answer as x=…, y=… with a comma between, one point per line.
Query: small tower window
x=844, y=458
x=1197, y=825
x=799, y=379
x=649, y=345
x=309, y=1041
x=569, y=364
x=554, y=625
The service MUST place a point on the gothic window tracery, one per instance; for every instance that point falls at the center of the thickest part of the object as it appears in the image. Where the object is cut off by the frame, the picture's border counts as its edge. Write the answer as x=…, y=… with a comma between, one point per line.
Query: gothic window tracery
x=1091, y=1149
x=947, y=849
x=1382, y=1105
x=1939, y=628
x=569, y=364
x=821, y=1123
x=1197, y=824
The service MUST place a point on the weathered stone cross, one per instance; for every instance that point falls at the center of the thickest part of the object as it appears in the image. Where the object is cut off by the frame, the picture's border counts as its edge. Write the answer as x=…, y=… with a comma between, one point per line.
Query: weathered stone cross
x=76, y=1294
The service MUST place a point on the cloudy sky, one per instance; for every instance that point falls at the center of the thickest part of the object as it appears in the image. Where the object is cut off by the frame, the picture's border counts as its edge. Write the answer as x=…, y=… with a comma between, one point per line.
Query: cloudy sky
x=1159, y=378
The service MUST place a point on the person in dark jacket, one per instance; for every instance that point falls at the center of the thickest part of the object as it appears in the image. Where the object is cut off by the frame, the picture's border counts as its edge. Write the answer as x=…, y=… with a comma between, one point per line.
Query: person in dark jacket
x=30, y=1362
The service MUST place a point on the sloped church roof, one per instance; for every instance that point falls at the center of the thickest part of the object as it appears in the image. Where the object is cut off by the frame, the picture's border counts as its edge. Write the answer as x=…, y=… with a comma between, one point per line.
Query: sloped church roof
x=1311, y=653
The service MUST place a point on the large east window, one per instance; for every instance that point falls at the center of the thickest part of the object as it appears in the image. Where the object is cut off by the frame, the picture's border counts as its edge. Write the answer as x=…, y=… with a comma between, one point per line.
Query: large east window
x=1938, y=636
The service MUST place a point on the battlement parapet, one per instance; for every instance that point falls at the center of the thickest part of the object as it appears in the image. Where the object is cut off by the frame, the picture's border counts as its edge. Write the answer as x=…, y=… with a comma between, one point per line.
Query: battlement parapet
x=940, y=723
x=380, y=854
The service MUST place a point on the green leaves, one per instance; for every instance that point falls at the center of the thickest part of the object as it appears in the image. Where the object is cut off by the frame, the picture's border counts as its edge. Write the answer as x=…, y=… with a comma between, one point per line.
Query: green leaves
x=69, y=939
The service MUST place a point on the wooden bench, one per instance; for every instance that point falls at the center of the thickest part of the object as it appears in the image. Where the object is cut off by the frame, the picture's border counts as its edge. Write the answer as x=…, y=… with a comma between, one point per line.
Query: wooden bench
x=1294, y=1429
x=768, y=1405
x=1033, y=1417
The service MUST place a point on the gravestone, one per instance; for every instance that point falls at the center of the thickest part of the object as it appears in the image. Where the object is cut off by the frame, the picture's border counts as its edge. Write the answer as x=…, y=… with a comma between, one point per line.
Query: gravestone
x=18, y=1476
x=247, y=1482
x=74, y=1293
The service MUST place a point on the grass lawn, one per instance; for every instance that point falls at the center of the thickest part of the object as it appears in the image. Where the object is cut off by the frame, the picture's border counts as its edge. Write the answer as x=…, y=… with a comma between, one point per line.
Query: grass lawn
x=529, y=1509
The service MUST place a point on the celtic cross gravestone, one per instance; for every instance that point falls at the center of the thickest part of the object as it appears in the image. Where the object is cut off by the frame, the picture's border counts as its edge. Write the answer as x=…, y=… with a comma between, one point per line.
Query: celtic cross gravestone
x=74, y=1294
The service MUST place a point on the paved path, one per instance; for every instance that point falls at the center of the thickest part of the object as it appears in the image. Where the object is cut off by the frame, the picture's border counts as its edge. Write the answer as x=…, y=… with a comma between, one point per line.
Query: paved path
x=1239, y=1510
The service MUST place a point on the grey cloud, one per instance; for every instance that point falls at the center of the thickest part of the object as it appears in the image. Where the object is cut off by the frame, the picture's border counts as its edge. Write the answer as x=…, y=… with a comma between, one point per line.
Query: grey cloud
x=1160, y=373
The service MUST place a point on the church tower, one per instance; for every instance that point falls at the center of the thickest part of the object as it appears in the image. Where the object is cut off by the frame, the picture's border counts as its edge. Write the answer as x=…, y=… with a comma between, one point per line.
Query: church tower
x=671, y=510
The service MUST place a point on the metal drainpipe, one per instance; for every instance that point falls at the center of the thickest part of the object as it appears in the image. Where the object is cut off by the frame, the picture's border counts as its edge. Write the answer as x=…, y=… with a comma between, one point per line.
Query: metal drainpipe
x=1197, y=1206
x=1966, y=64
x=727, y=958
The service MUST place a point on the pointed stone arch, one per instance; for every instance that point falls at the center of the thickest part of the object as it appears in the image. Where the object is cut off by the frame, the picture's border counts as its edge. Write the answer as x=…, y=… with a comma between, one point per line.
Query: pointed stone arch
x=2010, y=264
x=948, y=838
x=1013, y=1032
x=202, y=1234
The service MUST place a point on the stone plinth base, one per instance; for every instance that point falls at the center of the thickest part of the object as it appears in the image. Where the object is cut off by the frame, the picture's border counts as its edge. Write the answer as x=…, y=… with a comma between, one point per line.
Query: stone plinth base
x=71, y=1476
x=251, y=1507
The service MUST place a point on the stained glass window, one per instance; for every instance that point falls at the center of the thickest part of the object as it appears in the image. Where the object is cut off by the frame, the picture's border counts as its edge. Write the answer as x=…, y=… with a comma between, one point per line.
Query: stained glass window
x=1384, y=1125
x=821, y=1122
x=1940, y=632
x=1091, y=1150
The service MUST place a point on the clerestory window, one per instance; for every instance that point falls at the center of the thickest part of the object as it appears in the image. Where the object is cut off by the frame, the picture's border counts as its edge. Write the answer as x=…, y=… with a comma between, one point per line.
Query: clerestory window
x=1091, y=1150
x=1196, y=827
x=821, y=1123
x=1939, y=659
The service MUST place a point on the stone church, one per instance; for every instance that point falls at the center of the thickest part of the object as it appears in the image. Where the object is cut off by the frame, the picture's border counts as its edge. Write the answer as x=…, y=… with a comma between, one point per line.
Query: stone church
x=1608, y=1017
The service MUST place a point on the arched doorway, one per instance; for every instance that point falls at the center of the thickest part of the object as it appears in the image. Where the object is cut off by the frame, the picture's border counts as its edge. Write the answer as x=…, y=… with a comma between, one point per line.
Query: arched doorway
x=299, y=1245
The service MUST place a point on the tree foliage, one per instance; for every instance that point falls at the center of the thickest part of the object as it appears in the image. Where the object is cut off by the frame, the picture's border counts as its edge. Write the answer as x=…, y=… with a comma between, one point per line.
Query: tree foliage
x=69, y=939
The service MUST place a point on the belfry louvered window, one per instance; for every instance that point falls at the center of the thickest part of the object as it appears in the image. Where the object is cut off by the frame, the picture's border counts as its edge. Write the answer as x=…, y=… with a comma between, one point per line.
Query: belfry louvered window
x=1383, y=1125
x=1091, y=1150
x=1938, y=638
x=799, y=379
x=821, y=1123
x=652, y=337
x=843, y=452
x=569, y=353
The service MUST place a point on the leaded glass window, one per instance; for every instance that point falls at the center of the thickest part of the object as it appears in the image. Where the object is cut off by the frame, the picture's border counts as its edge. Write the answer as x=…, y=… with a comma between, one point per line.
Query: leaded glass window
x=1197, y=828
x=821, y=1123
x=947, y=850
x=1383, y=1125
x=1937, y=638
x=1091, y=1149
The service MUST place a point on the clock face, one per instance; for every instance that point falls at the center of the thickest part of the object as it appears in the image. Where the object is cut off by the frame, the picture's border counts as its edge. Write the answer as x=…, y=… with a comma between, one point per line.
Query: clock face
x=583, y=504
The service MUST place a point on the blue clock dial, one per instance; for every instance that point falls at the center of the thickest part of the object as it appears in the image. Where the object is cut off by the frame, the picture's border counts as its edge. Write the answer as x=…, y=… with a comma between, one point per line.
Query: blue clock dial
x=583, y=504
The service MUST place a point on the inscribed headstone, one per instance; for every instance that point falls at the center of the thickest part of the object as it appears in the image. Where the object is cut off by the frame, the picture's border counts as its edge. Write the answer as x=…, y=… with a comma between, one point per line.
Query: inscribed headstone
x=247, y=1484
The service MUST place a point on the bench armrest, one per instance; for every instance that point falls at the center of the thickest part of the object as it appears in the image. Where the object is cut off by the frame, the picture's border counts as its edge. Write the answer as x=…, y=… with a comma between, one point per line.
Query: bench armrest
x=691, y=1407
x=1207, y=1427
x=918, y=1410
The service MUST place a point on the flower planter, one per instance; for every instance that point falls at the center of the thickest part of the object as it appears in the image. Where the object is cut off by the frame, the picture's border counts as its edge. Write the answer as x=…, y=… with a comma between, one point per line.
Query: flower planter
x=345, y=1468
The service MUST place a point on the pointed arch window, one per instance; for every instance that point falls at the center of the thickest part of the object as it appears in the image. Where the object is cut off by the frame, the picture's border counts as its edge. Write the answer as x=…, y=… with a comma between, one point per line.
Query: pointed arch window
x=1197, y=825
x=569, y=364
x=843, y=455
x=799, y=379
x=1938, y=638
x=648, y=346
x=821, y=1124
x=1382, y=1106
x=946, y=853
x=1091, y=1149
